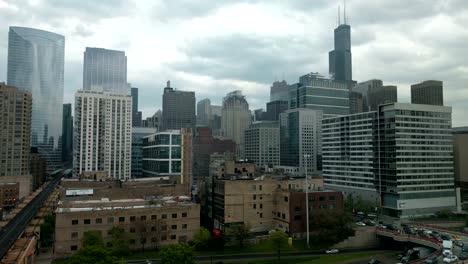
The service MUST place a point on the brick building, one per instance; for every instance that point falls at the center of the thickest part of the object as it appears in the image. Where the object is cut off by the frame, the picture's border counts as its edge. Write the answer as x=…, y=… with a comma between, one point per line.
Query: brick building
x=9, y=194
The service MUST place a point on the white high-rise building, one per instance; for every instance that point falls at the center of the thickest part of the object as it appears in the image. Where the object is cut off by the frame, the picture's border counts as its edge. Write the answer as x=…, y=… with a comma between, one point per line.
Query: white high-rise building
x=235, y=119
x=103, y=133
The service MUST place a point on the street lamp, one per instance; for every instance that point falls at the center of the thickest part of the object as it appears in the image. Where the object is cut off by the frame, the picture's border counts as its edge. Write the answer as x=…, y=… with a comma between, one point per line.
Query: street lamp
x=307, y=197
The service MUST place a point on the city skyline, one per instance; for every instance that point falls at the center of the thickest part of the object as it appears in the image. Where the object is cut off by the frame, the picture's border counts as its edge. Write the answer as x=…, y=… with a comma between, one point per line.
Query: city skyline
x=197, y=53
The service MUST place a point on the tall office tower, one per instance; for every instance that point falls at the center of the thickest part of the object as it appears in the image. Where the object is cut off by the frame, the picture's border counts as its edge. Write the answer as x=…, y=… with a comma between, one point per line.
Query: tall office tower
x=460, y=156
x=105, y=70
x=204, y=144
x=154, y=121
x=340, y=60
x=235, y=119
x=409, y=168
x=15, y=132
x=178, y=108
x=168, y=155
x=356, y=102
x=385, y=94
x=427, y=92
x=279, y=91
x=316, y=92
x=204, y=112
x=274, y=109
x=300, y=140
x=103, y=133
x=363, y=89
x=136, y=115
x=216, y=119
x=138, y=133
x=35, y=64
x=258, y=114
x=67, y=134
x=262, y=143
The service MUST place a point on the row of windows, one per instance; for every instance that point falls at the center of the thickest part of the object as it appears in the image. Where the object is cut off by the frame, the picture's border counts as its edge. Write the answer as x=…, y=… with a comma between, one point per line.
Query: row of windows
x=121, y=219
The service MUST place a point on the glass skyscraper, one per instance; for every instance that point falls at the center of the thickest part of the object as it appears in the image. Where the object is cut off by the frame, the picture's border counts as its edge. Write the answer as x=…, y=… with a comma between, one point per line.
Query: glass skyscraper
x=35, y=64
x=340, y=64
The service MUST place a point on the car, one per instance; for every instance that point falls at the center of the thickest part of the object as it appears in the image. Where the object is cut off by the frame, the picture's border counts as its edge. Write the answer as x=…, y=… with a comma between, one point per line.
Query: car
x=332, y=251
x=447, y=252
x=430, y=261
x=459, y=244
x=463, y=256
x=450, y=259
x=360, y=224
x=372, y=215
x=445, y=237
x=373, y=261
x=457, y=238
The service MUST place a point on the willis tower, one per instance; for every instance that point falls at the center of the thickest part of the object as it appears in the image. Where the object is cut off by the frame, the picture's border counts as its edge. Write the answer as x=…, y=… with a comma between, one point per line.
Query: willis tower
x=340, y=58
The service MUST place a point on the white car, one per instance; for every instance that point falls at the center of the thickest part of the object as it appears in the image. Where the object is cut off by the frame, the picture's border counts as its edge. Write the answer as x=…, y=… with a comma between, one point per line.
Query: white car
x=447, y=253
x=332, y=251
x=360, y=224
x=450, y=259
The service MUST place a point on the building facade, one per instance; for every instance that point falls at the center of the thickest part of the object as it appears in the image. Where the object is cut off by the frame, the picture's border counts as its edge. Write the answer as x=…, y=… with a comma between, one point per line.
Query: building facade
x=105, y=70
x=363, y=88
x=9, y=195
x=138, y=133
x=178, y=109
x=262, y=143
x=204, y=112
x=403, y=155
x=385, y=94
x=136, y=115
x=427, y=92
x=235, y=119
x=103, y=133
x=300, y=140
x=154, y=121
x=35, y=64
x=67, y=134
x=460, y=155
x=275, y=108
x=38, y=167
x=279, y=91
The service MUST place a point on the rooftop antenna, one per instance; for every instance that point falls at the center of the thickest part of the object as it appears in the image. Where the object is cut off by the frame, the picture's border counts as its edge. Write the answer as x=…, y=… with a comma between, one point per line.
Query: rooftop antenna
x=344, y=12
x=339, y=15
x=283, y=76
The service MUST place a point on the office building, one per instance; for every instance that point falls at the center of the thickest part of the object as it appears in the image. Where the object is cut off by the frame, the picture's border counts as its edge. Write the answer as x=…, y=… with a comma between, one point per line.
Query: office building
x=204, y=112
x=460, y=156
x=279, y=91
x=38, y=167
x=178, y=108
x=103, y=133
x=204, y=144
x=340, y=60
x=235, y=119
x=105, y=70
x=386, y=94
x=167, y=155
x=136, y=115
x=262, y=144
x=67, y=134
x=216, y=119
x=274, y=109
x=154, y=121
x=363, y=89
x=318, y=93
x=427, y=92
x=409, y=168
x=356, y=102
x=300, y=140
x=138, y=133
x=258, y=115
x=35, y=64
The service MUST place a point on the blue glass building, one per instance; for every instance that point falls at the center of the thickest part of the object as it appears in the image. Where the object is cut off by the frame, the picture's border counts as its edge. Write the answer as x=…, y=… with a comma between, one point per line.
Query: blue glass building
x=35, y=64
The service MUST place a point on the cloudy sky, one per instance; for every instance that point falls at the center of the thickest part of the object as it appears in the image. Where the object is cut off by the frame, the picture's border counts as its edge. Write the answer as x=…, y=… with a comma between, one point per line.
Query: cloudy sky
x=213, y=47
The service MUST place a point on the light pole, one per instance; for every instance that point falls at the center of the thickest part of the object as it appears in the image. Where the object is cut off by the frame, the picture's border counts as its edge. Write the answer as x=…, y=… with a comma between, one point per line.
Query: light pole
x=306, y=156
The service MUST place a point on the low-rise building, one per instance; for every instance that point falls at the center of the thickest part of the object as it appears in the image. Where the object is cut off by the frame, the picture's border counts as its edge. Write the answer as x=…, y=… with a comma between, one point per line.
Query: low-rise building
x=9, y=194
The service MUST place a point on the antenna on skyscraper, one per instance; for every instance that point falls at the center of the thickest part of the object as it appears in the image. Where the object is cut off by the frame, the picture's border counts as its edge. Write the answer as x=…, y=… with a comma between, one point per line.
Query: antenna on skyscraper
x=344, y=11
x=339, y=22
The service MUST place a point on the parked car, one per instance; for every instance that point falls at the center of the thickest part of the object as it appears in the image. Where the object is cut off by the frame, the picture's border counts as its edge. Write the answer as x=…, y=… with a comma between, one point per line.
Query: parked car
x=332, y=251
x=431, y=261
x=459, y=244
x=457, y=238
x=463, y=256
x=374, y=261
x=360, y=224
x=447, y=252
x=445, y=237
x=450, y=259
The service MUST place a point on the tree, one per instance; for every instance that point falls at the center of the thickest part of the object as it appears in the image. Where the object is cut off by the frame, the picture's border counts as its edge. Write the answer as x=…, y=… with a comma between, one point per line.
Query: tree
x=119, y=242
x=177, y=254
x=92, y=254
x=240, y=232
x=47, y=231
x=279, y=239
x=201, y=238
x=92, y=238
x=330, y=227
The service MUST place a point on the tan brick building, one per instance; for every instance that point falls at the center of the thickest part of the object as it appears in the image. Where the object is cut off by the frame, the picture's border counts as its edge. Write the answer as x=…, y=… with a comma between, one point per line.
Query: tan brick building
x=9, y=194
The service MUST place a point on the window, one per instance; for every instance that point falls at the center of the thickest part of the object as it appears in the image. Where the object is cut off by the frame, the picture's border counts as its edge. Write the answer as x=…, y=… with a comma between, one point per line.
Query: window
x=297, y=218
x=184, y=214
x=255, y=197
x=331, y=206
x=174, y=215
x=87, y=221
x=322, y=198
x=74, y=235
x=254, y=206
x=174, y=227
x=132, y=230
x=143, y=218
x=154, y=217
x=261, y=215
x=311, y=198
x=164, y=228
x=73, y=247
x=184, y=226
x=121, y=219
x=283, y=216
x=131, y=241
x=286, y=199
x=297, y=209
x=173, y=237
x=331, y=198
x=98, y=220
x=261, y=206
x=132, y=218
x=164, y=216
x=163, y=237
x=154, y=239
x=74, y=222
x=110, y=220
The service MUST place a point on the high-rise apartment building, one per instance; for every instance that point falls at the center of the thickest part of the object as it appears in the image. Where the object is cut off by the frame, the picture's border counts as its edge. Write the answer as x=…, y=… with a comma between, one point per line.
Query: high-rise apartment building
x=105, y=70
x=136, y=115
x=340, y=60
x=204, y=112
x=300, y=140
x=279, y=91
x=318, y=93
x=67, y=134
x=35, y=64
x=138, y=133
x=235, y=119
x=427, y=92
x=15, y=132
x=178, y=108
x=400, y=156
x=103, y=133
x=262, y=143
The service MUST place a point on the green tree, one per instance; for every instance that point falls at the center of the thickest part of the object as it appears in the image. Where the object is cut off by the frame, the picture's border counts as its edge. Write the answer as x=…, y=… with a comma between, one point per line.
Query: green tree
x=240, y=232
x=201, y=238
x=177, y=254
x=47, y=231
x=279, y=239
x=330, y=227
x=92, y=238
x=119, y=242
x=92, y=254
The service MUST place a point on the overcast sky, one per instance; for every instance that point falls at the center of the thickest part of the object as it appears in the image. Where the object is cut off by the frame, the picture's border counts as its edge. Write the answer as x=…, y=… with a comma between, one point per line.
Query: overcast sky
x=214, y=47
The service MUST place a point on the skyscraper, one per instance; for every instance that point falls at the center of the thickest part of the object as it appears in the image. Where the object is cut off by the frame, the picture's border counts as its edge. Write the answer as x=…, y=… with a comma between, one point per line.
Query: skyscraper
x=154, y=121
x=178, y=108
x=235, y=119
x=340, y=60
x=381, y=95
x=262, y=143
x=136, y=115
x=279, y=91
x=204, y=112
x=216, y=119
x=102, y=136
x=105, y=70
x=274, y=109
x=300, y=139
x=35, y=64
x=363, y=89
x=67, y=136
x=427, y=92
